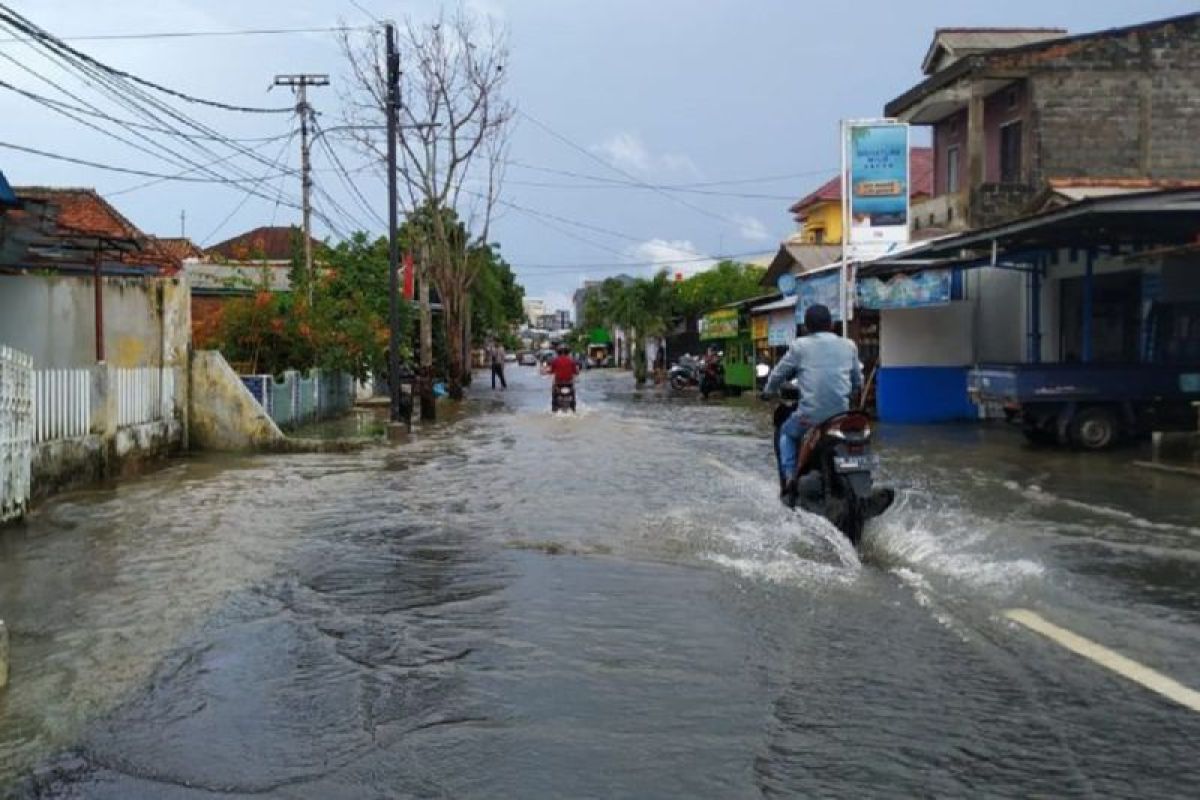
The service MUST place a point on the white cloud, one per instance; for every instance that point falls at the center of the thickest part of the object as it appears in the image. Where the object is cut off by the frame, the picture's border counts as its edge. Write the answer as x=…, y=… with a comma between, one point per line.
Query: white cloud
x=626, y=151
x=752, y=229
x=673, y=255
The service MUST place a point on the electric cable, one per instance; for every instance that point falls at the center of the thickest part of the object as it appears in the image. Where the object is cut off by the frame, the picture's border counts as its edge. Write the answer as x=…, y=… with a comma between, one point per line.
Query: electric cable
x=32, y=30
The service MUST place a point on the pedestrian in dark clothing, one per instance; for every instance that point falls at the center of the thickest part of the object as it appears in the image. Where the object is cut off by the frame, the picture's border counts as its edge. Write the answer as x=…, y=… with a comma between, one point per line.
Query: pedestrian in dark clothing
x=497, y=357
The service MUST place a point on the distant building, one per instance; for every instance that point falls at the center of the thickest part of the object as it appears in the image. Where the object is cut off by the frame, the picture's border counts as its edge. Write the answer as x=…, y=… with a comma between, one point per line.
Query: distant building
x=534, y=309
x=238, y=267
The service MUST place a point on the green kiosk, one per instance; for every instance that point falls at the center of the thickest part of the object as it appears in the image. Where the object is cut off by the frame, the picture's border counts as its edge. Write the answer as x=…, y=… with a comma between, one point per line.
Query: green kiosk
x=728, y=329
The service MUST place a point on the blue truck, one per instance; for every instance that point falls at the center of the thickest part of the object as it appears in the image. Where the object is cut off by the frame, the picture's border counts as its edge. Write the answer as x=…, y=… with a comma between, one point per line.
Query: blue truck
x=1090, y=406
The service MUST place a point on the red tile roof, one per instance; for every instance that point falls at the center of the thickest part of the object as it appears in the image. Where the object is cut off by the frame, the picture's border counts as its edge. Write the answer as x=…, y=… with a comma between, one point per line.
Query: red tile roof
x=179, y=247
x=82, y=212
x=920, y=165
x=267, y=242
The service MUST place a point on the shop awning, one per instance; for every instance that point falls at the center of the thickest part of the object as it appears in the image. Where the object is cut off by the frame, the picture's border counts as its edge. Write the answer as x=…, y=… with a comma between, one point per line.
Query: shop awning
x=766, y=308
x=1156, y=218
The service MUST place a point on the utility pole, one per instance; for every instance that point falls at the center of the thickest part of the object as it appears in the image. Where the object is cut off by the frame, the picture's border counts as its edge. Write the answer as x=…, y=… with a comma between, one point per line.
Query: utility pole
x=182, y=223
x=300, y=84
x=393, y=110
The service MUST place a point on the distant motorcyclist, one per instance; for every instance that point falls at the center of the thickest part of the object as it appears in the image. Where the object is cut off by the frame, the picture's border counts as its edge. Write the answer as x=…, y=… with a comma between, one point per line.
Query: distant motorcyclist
x=828, y=372
x=563, y=367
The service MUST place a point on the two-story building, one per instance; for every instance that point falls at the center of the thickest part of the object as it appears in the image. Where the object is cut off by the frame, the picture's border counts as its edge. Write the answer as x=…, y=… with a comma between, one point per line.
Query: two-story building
x=1031, y=127
x=1013, y=110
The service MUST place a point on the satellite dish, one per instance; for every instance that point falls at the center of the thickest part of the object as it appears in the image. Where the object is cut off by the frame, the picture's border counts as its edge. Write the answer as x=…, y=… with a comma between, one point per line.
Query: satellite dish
x=786, y=284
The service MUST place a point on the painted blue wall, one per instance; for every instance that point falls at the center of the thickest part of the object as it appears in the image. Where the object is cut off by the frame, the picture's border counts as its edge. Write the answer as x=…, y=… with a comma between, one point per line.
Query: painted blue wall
x=924, y=394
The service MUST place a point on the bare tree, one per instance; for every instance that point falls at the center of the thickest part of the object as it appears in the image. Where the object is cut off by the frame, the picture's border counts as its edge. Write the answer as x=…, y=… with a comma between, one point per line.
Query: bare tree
x=455, y=123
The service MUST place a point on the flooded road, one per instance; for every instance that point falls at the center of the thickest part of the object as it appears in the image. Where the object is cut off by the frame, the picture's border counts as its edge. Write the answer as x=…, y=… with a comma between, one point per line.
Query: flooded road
x=606, y=605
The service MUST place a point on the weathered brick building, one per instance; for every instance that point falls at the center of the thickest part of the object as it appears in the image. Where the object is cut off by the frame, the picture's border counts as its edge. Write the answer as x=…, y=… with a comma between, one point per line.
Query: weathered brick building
x=1013, y=110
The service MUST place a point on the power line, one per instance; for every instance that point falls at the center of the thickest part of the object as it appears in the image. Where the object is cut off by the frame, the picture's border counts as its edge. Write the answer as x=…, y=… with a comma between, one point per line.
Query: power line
x=657, y=190
x=100, y=37
x=278, y=157
x=344, y=175
x=123, y=96
x=283, y=173
x=124, y=170
x=670, y=186
x=55, y=103
x=44, y=37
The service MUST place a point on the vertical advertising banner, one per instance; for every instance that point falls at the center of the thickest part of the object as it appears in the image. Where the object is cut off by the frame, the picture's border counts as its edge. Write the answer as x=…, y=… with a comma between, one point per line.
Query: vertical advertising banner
x=878, y=183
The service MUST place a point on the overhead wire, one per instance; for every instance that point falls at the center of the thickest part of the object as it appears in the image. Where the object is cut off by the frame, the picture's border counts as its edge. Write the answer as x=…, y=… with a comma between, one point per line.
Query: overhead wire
x=109, y=37
x=344, y=175
x=30, y=29
x=629, y=176
x=138, y=101
x=224, y=221
x=106, y=85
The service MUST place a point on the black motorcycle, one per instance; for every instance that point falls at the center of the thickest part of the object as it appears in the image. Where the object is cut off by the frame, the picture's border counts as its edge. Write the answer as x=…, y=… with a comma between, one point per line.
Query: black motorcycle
x=562, y=397
x=684, y=373
x=833, y=476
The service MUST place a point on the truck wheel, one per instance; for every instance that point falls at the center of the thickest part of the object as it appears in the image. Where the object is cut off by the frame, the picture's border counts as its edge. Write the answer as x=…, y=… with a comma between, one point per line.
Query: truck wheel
x=1094, y=428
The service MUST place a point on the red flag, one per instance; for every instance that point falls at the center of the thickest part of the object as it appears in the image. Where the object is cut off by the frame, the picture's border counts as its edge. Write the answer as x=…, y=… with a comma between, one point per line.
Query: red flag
x=408, y=276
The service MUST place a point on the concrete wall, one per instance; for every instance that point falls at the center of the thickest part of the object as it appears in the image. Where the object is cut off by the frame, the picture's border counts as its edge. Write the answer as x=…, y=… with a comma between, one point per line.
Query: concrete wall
x=65, y=463
x=224, y=415
x=52, y=318
x=1124, y=106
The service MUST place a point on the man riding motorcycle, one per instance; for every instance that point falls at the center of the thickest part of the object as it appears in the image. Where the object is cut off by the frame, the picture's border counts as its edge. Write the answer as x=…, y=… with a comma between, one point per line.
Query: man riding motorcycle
x=564, y=368
x=828, y=372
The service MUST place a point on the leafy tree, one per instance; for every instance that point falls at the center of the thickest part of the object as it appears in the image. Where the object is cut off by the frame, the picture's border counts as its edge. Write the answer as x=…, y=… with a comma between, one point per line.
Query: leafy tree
x=727, y=282
x=345, y=328
x=496, y=297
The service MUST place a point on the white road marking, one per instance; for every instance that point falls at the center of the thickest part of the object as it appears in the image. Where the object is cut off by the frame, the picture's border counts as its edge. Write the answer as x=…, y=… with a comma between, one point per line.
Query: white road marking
x=1109, y=659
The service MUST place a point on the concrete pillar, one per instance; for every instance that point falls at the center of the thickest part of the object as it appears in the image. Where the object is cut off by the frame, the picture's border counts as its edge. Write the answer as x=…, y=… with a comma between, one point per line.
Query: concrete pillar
x=3, y=655
x=976, y=157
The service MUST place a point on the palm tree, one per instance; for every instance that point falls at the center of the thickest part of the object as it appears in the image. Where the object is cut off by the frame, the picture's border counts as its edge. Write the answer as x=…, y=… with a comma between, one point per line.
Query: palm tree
x=654, y=307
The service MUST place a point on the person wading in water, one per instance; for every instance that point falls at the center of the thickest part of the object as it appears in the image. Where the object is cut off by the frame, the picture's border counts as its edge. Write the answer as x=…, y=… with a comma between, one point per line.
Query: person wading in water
x=497, y=356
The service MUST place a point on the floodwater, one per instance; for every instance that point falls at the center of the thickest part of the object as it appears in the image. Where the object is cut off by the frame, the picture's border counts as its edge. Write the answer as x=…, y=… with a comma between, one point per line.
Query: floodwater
x=612, y=604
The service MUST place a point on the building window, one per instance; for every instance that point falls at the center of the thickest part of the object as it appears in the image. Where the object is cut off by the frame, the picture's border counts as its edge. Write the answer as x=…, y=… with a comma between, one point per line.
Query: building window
x=1010, y=153
x=952, y=169
x=818, y=236
x=1012, y=99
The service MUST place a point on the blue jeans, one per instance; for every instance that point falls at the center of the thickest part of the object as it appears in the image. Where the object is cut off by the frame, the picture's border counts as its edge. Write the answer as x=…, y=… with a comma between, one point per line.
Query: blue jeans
x=791, y=433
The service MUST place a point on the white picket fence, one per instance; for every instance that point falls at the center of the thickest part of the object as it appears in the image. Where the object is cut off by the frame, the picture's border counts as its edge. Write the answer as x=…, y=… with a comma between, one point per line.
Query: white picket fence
x=144, y=394
x=62, y=404
x=16, y=431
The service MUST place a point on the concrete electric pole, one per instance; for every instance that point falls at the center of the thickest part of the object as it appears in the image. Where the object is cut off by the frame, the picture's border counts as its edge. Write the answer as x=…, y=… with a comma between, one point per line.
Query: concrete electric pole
x=300, y=84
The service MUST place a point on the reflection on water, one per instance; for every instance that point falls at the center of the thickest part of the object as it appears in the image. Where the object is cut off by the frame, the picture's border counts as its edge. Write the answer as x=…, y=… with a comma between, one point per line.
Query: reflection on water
x=610, y=603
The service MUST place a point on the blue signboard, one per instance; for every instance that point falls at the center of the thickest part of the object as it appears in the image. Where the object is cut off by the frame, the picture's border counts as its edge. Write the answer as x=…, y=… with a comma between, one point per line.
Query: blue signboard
x=786, y=284
x=931, y=287
x=823, y=289
x=878, y=166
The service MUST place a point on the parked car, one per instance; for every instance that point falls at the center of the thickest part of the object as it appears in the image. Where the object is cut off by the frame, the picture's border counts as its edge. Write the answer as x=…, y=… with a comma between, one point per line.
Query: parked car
x=527, y=359
x=510, y=358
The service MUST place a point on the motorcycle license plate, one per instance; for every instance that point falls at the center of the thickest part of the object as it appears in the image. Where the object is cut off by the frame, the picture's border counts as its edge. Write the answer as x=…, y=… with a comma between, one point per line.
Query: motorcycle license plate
x=855, y=463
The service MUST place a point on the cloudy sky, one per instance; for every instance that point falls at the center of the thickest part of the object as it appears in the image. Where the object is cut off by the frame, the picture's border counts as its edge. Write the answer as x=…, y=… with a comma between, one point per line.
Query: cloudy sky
x=652, y=132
